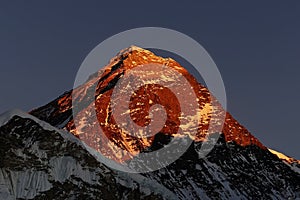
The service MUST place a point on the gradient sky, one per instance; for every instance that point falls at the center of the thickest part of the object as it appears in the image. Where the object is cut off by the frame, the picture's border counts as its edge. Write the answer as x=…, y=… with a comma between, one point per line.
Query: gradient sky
x=254, y=44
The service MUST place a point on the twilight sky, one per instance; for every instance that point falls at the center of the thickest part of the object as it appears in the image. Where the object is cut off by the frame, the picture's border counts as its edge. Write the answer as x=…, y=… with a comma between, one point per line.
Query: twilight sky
x=255, y=46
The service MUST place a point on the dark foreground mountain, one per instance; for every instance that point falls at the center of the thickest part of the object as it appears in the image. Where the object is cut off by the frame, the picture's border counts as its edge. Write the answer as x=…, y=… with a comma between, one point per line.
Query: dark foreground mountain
x=39, y=161
x=43, y=161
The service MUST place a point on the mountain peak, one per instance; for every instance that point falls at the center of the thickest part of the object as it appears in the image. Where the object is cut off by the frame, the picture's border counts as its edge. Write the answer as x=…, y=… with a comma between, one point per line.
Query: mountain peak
x=238, y=166
x=124, y=52
x=131, y=48
x=59, y=112
x=134, y=56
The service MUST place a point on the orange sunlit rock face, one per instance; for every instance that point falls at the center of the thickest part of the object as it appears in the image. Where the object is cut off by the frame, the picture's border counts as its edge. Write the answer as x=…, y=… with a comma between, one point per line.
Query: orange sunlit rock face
x=103, y=134
x=150, y=95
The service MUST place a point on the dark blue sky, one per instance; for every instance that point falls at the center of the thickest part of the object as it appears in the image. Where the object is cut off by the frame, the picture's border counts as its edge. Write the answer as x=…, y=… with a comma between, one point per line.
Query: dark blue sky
x=254, y=44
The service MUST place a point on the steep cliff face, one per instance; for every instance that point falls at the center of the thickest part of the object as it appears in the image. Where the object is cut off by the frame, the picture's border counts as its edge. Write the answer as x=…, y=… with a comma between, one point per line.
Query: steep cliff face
x=59, y=112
